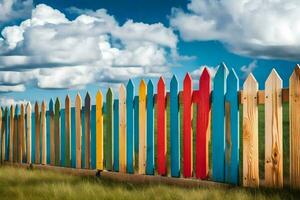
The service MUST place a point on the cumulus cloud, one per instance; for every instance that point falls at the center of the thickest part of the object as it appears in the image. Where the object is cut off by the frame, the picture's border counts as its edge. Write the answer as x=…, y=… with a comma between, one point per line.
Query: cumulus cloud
x=256, y=28
x=55, y=52
x=14, y=9
x=6, y=101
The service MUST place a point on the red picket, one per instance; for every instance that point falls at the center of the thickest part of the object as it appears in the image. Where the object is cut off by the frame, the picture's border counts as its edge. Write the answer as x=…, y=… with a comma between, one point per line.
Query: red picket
x=187, y=127
x=161, y=128
x=203, y=125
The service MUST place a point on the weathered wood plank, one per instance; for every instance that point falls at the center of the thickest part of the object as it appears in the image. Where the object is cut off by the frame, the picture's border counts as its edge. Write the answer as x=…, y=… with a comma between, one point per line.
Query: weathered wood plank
x=87, y=126
x=99, y=131
x=294, y=117
x=37, y=133
x=22, y=135
x=43, y=133
x=232, y=129
x=28, y=134
x=93, y=137
x=116, y=141
x=161, y=128
x=57, y=131
x=174, y=128
x=73, y=137
x=6, y=129
x=150, y=130
x=68, y=131
x=2, y=134
x=142, y=127
x=136, y=131
x=109, y=130
x=11, y=132
x=250, y=133
x=52, y=140
x=273, y=131
x=129, y=127
x=78, y=125
x=203, y=125
x=15, y=138
x=122, y=128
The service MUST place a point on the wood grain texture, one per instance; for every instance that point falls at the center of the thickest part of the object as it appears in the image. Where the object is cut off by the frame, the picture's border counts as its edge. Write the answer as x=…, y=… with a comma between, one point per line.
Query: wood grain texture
x=150, y=130
x=22, y=142
x=43, y=133
x=19, y=136
x=129, y=127
x=232, y=129
x=250, y=133
x=109, y=130
x=87, y=129
x=136, y=131
x=294, y=117
x=142, y=127
x=37, y=133
x=116, y=136
x=11, y=132
x=273, y=131
x=68, y=131
x=78, y=127
x=122, y=128
x=174, y=128
x=161, y=128
x=99, y=131
x=57, y=131
x=28, y=132
x=52, y=140
x=15, y=135
x=187, y=127
x=203, y=126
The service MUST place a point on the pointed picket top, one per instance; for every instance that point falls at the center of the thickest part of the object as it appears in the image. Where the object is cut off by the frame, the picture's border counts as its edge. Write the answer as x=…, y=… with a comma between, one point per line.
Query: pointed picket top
x=187, y=79
x=17, y=110
x=232, y=75
x=296, y=73
x=99, y=96
x=68, y=101
x=142, y=85
x=205, y=74
x=161, y=82
x=57, y=104
x=28, y=107
x=130, y=85
x=51, y=105
x=109, y=92
x=174, y=80
x=43, y=107
x=78, y=100
x=274, y=78
x=36, y=107
x=222, y=71
x=122, y=91
x=87, y=97
x=22, y=109
x=150, y=85
x=250, y=82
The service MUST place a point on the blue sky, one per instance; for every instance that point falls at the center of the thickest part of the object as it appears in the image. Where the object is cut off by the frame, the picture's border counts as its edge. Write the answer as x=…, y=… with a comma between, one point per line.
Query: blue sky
x=51, y=48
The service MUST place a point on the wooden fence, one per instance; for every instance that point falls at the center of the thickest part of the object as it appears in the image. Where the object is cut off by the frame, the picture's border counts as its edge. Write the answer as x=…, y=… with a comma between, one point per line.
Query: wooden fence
x=119, y=135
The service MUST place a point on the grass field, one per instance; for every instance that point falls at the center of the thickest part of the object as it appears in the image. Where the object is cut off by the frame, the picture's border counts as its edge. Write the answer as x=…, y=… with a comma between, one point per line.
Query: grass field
x=35, y=184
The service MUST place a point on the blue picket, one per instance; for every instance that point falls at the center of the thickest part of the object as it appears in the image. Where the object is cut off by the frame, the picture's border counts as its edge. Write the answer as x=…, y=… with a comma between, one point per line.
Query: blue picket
x=82, y=139
x=150, y=130
x=62, y=138
x=129, y=127
x=136, y=127
x=93, y=137
x=174, y=128
x=218, y=124
x=116, y=135
x=232, y=147
x=73, y=138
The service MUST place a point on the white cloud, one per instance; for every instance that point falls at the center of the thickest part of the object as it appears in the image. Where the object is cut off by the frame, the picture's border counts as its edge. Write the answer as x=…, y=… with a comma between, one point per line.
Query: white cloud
x=14, y=9
x=12, y=88
x=55, y=52
x=247, y=69
x=198, y=72
x=5, y=101
x=256, y=28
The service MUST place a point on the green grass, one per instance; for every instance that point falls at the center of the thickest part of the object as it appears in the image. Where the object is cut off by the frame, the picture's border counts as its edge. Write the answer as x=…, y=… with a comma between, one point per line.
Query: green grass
x=17, y=183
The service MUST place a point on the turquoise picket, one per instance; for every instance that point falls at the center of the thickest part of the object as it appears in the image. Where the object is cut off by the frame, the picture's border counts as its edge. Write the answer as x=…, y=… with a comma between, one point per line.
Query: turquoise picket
x=150, y=130
x=62, y=138
x=116, y=135
x=129, y=127
x=218, y=124
x=232, y=147
x=93, y=137
x=32, y=138
x=82, y=139
x=136, y=126
x=174, y=128
x=73, y=138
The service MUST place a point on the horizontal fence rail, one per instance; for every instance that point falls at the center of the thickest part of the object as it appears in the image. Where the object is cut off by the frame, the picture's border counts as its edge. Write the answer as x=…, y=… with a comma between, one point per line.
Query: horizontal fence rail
x=152, y=134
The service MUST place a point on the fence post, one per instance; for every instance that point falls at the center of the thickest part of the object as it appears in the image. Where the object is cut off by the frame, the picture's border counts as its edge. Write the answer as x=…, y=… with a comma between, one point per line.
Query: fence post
x=122, y=128
x=67, y=131
x=294, y=117
x=218, y=124
x=187, y=127
x=52, y=137
x=99, y=131
x=130, y=124
x=150, y=130
x=142, y=127
x=78, y=105
x=116, y=141
x=232, y=129
x=109, y=131
x=203, y=125
x=250, y=133
x=174, y=128
x=43, y=132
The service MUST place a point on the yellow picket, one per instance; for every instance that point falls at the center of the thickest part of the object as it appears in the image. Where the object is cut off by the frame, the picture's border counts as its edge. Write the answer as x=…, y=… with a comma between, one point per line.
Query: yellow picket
x=122, y=129
x=99, y=131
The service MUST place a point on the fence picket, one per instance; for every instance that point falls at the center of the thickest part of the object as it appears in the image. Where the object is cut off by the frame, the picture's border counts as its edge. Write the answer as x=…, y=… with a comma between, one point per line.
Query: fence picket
x=109, y=131
x=15, y=138
x=57, y=132
x=250, y=133
x=294, y=117
x=99, y=131
x=78, y=127
x=11, y=132
x=87, y=128
x=203, y=126
x=150, y=130
x=218, y=124
x=43, y=133
x=93, y=137
x=73, y=137
x=7, y=134
x=2, y=136
x=129, y=127
x=28, y=132
x=67, y=131
x=187, y=127
x=52, y=141
x=37, y=132
x=174, y=128
x=122, y=128
x=23, y=134
x=116, y=143
x=136, y=130
x=232, y=129
x=62, y=138
x=142, y=127
x=161, y=128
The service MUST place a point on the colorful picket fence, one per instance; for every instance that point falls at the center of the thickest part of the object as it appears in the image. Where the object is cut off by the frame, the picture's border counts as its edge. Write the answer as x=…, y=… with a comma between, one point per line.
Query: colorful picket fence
x=119, y=134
